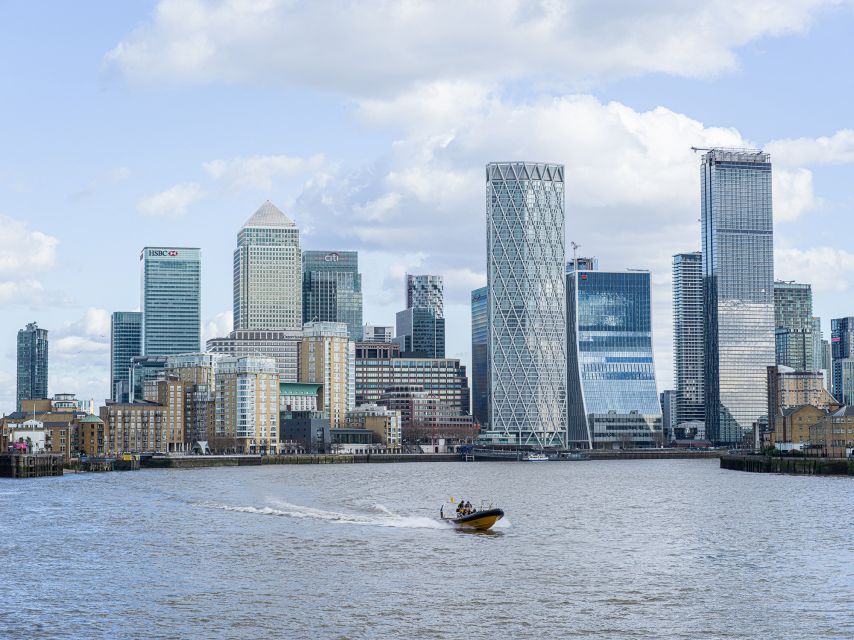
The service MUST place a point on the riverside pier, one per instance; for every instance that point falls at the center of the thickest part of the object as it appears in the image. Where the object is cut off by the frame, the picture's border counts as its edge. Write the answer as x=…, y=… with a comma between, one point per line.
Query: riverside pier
x=804, y=466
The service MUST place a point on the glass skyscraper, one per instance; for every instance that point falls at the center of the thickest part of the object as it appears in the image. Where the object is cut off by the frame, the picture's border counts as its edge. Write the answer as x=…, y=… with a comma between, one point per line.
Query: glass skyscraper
x=612, y=395
x=32, y=363
x=841, y=348
x=125, y=344
x=793, y=322
x=332, y=289
x=268, y=272
x=688, y=400
x=526, y=257
x=426, y=291
x=420, y=331
x=171, y=300
x=479, y=357
x=738, y=289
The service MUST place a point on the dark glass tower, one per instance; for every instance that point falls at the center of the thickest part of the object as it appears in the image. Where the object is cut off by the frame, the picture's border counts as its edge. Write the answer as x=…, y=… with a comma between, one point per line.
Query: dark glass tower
x=32, y=363
x=125, y=344
x=421, y=332
x=738, y=289
x=332, y=289
x=841, y=348
x=479, y=356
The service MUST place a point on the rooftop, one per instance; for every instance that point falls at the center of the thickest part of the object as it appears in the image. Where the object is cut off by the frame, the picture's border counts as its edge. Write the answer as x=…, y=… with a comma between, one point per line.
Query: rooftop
x=268, y=215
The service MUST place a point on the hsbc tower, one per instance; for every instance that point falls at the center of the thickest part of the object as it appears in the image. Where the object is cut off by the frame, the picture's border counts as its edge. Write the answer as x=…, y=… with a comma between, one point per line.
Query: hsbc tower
x=170, y=300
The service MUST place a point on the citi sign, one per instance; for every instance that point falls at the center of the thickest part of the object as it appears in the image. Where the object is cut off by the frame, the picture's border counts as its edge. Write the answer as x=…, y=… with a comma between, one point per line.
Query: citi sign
x=331, y=257
x=159, y=253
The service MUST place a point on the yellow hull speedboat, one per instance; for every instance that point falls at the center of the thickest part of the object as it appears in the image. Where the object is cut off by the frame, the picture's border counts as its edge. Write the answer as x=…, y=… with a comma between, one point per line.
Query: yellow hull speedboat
x=480, y=520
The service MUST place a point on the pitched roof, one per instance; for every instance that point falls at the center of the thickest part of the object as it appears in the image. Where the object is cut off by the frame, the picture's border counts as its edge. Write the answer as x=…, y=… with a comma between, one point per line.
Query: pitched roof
x=268, y=215
x=847, y=410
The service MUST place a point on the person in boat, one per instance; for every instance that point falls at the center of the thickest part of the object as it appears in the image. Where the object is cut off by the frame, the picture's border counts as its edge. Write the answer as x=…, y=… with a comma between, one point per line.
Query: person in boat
x=461, y=507
x=468, y=510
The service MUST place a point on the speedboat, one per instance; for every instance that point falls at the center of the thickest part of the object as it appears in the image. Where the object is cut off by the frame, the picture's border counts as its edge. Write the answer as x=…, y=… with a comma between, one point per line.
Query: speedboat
x=536, y=457
x=481, y=519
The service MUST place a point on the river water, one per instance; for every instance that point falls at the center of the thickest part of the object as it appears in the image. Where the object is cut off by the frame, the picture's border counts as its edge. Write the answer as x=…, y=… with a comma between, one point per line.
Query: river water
x=610, y=549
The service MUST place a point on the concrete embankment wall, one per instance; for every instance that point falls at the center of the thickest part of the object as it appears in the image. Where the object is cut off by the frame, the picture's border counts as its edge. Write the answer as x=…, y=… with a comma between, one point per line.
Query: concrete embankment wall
x=192, y=462
x=794, y=465
x=652, y=454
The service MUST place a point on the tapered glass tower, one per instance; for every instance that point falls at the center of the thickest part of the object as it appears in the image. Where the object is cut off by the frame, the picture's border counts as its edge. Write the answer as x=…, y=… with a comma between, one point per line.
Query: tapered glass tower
x=526, y=260
x=738, y=289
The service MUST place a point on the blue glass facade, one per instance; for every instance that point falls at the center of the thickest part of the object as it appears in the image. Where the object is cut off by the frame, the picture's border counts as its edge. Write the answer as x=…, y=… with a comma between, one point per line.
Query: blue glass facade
x=738, y=290
x=841, y=348
x=32, y=363
x=171, y=300
x=332, y=289
x=479, y=354
x=125, y=344
x=420, y=332
x=612, y=395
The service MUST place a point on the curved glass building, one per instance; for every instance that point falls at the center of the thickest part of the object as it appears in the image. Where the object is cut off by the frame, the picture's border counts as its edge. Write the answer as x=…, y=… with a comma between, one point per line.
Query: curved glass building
x=527, y=304
x=613, y=398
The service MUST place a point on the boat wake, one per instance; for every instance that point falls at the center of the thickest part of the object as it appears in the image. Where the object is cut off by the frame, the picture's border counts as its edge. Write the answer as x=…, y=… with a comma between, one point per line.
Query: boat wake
x=380, y=516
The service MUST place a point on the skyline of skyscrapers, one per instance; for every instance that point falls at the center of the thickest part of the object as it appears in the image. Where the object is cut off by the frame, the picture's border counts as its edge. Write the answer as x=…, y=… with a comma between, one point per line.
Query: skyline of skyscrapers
x=612, y=395
x=526, y=257
x=171, y=300
x=738, y=289
x=32, y=361
x=332, y=289
x=688, y=403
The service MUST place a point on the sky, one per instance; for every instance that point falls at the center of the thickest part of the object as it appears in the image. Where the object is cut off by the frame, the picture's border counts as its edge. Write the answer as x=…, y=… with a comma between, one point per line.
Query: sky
x=135, y=123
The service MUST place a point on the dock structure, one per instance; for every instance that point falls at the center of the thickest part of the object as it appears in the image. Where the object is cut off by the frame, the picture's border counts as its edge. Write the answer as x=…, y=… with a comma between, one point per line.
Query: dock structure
x=30, y=465
x=804, y=466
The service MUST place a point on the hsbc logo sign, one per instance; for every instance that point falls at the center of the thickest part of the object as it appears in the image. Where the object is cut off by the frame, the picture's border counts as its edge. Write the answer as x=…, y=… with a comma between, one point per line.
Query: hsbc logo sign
x=161, y=253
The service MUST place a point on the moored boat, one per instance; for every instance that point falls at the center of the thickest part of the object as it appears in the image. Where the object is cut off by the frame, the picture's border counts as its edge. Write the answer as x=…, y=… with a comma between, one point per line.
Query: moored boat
x=536, y=457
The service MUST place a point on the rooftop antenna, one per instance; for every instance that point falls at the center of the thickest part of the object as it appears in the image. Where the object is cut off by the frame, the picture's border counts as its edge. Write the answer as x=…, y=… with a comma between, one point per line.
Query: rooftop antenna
x=575, y=248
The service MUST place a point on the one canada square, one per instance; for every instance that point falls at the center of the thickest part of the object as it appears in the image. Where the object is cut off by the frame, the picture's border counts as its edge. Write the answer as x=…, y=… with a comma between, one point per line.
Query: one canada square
x=738, y=289
x=527, y=303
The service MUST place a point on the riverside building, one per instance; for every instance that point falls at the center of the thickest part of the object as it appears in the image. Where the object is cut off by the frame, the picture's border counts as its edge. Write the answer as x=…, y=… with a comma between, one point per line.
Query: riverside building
x=842, y=349
x=688, y=401
x=613, y=397
x=738, y=290
x=332, y=289
x=197, y=373
x=247, y=405
x=268, y=272
x=788, y=388
x=125, y=344
x=32, y=359
x=380, y=367
x=171, y=300
x=282, y=345
x=527, y=304
x=327, y=357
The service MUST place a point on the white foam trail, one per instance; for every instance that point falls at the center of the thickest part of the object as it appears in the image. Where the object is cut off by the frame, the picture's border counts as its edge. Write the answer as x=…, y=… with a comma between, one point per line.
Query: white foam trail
x=286, y=509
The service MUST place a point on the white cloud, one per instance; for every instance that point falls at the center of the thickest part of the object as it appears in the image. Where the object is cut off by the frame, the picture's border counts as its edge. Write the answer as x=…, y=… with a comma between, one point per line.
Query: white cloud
x=22, y=250
x=829, y=269
x=172, y=203
x=376, y=46
x=793, y=193
x=259, y=172
x=217, y=327
x=835, y=149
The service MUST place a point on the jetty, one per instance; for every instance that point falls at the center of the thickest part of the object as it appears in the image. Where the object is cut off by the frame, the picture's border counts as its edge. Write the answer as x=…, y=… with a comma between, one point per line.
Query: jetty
x=797, y=465
x=30, y=465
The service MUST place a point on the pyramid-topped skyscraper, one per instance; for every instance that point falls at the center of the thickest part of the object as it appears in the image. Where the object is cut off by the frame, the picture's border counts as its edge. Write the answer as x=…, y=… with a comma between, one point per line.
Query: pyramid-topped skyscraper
x=268, y=272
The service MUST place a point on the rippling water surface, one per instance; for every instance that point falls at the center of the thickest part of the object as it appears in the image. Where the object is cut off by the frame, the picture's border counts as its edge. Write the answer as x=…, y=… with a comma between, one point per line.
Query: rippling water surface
x=628, y=549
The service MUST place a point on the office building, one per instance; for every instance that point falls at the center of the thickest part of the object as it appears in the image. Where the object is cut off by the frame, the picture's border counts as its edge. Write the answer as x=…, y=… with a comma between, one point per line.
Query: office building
x=171, y=300
x=817, y=356
x=425, y=292
x=379, y=367
x=425, y=418
x=526, y=260
x=282, y=345
x=842, y=348
x=793, y=322
x=32, y=363
x=612, y=395
x=144, y=373
x=479, y=355
x=689, y=401
x=300, y=396
x=125, y=344
x=375, y=333
x=268, y=273
x=304, y=432
x=327, y=357
x=583, y=264
x=332, y=289
x=668, y=418
x=738, y=290
x=247, y=405
x=420, y=332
